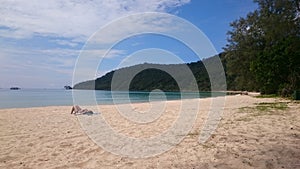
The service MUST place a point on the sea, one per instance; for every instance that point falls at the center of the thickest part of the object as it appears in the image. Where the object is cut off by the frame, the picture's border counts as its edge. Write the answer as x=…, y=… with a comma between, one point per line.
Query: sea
x=25, y=98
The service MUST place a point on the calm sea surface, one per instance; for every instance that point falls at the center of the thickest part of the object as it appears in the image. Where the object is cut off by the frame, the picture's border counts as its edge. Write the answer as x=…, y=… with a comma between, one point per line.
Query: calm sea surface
x=59, y=97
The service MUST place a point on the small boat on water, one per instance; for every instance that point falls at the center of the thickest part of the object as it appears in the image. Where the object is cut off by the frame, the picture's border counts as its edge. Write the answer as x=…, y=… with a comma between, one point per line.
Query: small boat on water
x=15, y=88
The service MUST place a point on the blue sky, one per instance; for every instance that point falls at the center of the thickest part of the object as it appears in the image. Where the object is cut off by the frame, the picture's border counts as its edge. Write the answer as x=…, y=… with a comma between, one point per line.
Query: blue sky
x=41, y=41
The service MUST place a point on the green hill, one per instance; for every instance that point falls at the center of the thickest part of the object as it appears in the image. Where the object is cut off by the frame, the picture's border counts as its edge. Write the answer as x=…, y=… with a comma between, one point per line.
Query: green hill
x=155, y=77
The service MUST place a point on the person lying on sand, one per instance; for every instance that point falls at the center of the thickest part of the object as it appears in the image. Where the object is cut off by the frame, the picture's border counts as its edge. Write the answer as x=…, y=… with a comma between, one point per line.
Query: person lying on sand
x=77, y=110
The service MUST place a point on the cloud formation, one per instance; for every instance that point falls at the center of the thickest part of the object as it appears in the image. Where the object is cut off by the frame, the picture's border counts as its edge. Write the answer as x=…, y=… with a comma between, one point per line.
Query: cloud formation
x=76, y=19
x=44, y=38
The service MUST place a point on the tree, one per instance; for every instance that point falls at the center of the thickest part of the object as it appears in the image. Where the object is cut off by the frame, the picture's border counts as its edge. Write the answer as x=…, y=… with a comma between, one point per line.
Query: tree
x=241, y=51
x=263, y=50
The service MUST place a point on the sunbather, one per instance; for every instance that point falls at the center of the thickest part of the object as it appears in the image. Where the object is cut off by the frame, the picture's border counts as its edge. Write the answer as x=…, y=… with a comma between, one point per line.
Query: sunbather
x=77, y=110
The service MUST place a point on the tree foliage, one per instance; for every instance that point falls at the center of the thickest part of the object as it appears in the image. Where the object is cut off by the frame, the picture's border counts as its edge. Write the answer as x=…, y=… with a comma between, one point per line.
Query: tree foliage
x=263, y=51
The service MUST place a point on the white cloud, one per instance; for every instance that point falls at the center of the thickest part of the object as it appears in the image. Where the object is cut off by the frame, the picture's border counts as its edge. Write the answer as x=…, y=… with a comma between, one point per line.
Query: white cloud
x=21, y=59
x=52, y=59
x=96, y=54
x=67, y=23
x=21, y=66
x=65, y=42
x=76, y=19
x=130, y=25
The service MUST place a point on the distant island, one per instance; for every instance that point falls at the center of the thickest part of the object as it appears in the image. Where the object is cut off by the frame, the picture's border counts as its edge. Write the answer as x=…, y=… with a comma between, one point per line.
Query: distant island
x=68, y=87
x=15, y=88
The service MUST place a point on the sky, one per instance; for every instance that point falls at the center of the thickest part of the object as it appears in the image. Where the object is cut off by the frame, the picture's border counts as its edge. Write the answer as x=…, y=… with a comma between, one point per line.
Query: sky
x=41, y=41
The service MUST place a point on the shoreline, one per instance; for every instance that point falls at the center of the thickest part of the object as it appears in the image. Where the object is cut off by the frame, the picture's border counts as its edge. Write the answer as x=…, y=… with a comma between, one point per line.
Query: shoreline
x=44, y=98
x=253, y=133
x=228, y=93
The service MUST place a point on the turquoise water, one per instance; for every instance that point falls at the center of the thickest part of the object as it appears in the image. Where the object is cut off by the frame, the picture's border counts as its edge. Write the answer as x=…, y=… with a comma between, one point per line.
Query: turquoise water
x=59, y=97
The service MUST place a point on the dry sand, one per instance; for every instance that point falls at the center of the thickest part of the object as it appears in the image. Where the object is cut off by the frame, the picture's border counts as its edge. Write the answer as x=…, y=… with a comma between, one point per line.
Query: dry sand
x=251, y=134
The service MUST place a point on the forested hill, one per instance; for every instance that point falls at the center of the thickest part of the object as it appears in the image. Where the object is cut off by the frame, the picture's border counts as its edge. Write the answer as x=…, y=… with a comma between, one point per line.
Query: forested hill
x=154, y=77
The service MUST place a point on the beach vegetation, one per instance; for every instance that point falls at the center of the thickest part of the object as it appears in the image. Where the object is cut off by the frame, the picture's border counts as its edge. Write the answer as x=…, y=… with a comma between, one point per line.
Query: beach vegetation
x=275, y=105
x=264, y=47
x=264, y=108
x=267, y=96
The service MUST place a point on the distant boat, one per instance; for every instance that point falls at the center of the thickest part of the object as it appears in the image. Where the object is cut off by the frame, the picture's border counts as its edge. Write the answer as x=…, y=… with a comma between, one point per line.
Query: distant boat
x=68, y=87
x=15, y=88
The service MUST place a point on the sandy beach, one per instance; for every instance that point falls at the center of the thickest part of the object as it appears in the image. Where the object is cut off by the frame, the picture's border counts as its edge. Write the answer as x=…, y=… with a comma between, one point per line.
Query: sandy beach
x=253, y=133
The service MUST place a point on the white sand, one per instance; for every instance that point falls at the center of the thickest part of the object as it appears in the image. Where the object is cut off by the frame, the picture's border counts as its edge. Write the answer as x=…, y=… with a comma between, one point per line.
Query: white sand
x=49, y=137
